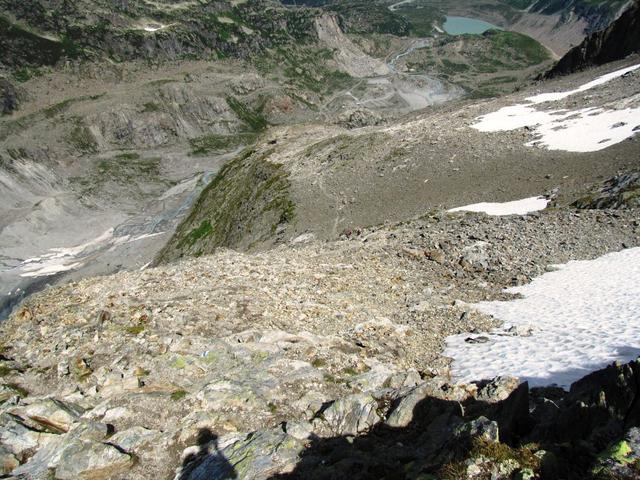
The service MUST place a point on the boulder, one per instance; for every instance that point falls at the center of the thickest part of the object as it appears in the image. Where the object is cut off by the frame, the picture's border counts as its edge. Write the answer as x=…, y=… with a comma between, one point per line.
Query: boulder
x=83, y=459
x=9, y=97
x=402, y=413
x=621, y=191
x=256, y=455
x=18, y=439
x=134, y=439
x=482, y=428
x=362, y=117
x=51, y=414
x=351, y=415
x=8, y=461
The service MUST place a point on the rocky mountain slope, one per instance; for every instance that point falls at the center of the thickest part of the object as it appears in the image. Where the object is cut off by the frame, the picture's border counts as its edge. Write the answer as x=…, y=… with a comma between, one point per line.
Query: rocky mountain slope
x=131, y=375
x=125, y=147
x=248, y=241
x=44, y=32
x=618, y=40
x=599, y=14
x=330, y=180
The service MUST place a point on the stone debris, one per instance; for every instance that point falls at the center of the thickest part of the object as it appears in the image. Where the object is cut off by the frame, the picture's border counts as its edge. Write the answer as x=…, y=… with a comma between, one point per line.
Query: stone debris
x=272, y=354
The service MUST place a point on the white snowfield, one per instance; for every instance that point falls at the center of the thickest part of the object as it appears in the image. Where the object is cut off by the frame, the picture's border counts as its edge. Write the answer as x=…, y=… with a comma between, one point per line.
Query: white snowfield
x=581, y=318
x=584, y=130
x=516, y=207
x=153, y=28
x=63, y=259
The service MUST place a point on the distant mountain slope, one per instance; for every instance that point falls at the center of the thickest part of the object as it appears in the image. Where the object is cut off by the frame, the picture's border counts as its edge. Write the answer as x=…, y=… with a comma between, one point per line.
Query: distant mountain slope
x=615, y=42
x=42, y=33
x=598, y=13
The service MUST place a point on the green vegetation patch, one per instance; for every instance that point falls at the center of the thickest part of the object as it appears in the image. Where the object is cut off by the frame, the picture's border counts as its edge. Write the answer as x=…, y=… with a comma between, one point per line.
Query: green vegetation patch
x=135, y=329
x=252, y=117
x=63, y=106
x=125, y=169
x=241, y=208
x=304, y=67
x=178, y=395
x=486, y=65
x=219, y=143
x=81, y=138
x=500, y=452
x=366, y=17
x=522, y=48
x=150, y=107
x=204, y=230
x=28, y=46
x=421, y=18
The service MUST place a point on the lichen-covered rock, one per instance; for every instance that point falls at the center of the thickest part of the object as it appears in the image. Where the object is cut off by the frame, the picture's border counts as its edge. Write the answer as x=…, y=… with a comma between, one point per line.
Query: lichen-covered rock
x=359, y=118
x=19, y=439
x=252, y=457
x=351, y=415
x=622, y=458
x=498, y=389
x=8, y=461
x=402, y=414
x=88, y=460
x=50, y=414
x=482, y=428
x=134, y=439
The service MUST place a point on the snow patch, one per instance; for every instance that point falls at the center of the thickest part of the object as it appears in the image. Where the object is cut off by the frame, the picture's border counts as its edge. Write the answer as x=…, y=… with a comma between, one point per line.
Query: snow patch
x=584, y=316
x=51, y=268
x=516, y=207
x=63, y=259
x=584, y=130
x=555, y=96
x=155, y=27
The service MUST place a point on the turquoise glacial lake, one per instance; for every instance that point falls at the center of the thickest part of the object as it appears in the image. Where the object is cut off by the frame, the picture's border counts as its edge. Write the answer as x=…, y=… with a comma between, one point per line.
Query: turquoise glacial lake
x=461, y=25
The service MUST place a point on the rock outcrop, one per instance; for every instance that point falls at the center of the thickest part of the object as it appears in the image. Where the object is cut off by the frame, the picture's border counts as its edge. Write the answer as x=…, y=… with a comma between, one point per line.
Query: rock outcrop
x=622, y=191
x=9, y=97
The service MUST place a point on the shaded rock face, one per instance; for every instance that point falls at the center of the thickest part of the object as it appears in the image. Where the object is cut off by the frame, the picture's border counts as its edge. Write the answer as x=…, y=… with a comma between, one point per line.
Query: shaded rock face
x=622, y=191
x=615, y=42
x=9, y=97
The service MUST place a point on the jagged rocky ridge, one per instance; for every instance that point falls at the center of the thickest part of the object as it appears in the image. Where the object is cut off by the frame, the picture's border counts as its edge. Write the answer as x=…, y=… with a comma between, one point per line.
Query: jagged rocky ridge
x=622, y=191
x=615, y=42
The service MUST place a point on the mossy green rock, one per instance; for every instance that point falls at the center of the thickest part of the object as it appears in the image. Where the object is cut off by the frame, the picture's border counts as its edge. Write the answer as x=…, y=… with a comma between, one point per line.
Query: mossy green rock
x=241, y=208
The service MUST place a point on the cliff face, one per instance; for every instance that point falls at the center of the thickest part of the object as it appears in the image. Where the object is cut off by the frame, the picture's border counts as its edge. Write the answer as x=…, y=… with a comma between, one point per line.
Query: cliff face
x=597, y=14
x=617, y=41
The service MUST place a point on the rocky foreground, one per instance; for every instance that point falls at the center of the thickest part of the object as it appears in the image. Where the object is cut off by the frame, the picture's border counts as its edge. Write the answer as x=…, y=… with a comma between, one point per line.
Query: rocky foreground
x=312, y=360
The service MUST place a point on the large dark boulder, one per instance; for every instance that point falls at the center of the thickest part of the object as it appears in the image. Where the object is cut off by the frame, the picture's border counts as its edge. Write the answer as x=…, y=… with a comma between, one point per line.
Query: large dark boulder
x=621, y=191
x=9, y=97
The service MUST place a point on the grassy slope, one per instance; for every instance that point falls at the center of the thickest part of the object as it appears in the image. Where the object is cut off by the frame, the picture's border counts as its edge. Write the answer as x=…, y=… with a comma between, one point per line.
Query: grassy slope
x=242, y=207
